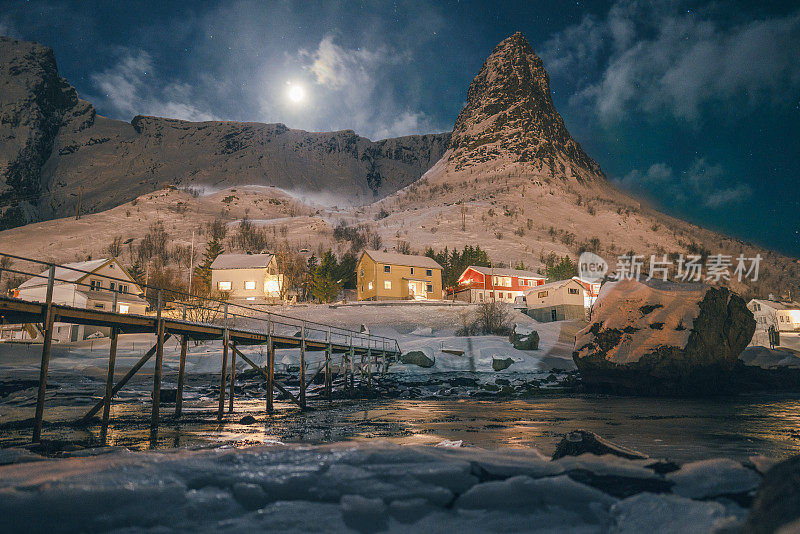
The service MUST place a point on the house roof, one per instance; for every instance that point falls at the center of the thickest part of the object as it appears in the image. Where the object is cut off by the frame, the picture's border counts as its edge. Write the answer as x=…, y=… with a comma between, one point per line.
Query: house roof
x=505, y=272
x=242, y=261
x=65, y=273
x=108, y=296
x=393, y=258
x=777, y=305
x=556, y=285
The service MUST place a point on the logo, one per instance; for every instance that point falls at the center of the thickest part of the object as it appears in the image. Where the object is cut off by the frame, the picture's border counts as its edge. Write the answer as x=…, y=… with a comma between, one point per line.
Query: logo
x=592, y=267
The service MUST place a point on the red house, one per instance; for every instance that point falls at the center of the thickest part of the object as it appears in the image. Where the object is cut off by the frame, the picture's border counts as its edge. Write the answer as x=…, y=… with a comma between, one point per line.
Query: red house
x=479, y=284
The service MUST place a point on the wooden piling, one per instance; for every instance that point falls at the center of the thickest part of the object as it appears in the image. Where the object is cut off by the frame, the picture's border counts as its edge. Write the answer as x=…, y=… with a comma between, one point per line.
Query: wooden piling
x=328, y=353
x=223, y=372
x=181, y=376
x=233, y=377
x=303, y=364
x=45, y=363
x=270, y=374
x=112, y=358
x=159, y=362
x=369, y=368
x=124, y=380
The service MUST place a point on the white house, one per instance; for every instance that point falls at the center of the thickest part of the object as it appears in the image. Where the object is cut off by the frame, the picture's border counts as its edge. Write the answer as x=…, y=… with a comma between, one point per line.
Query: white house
x=88, y=284
x=784, y=316
x=247, y=276
x=556, y=301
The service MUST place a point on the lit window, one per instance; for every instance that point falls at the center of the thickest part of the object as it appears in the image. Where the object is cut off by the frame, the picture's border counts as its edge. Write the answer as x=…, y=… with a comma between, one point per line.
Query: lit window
x=369, y=286
x=387, y=284
x=428, y=272
x=250, y=284
x=542, y=294
x=387, y=269
x=124, y=308
x=224, y=286
x=251, y=298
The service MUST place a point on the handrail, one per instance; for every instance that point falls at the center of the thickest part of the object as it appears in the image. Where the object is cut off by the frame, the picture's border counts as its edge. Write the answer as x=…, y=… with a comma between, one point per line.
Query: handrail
x=303, y=323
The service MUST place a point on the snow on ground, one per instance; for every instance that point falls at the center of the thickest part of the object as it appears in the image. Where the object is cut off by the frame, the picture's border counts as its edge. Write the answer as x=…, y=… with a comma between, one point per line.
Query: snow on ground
x=346, y=487
x=415, y=327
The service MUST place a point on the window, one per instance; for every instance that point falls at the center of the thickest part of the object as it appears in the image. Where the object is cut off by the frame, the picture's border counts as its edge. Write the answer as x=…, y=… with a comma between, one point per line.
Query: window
x=250, y=284
x=124, y=308
x=99, y=305
x=542, y=294
x=96, y=285
x=573, y=291
x=387, y=284
x=387, y=269
x=113, y=286
x=428, y=272
x=369, y=286
x=251, y=298
x=502, y=281
x=429, y=288
x=412, y=270
x=224, y=286
x=362, y=273
x=123, y=288
x=480, y=297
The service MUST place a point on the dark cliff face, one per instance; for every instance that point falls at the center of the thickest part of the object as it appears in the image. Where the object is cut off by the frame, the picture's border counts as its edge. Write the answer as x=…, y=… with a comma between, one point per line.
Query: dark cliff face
x=510, y=115
x=33, y=102
x=52, y=144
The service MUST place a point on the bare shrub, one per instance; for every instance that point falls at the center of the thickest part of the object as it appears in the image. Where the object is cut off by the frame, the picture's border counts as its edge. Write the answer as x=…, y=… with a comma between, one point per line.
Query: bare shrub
x=404, y=247
x=490, y=318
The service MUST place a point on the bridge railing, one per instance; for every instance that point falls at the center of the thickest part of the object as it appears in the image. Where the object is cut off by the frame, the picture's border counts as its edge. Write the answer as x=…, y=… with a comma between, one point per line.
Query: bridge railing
x=44, y=277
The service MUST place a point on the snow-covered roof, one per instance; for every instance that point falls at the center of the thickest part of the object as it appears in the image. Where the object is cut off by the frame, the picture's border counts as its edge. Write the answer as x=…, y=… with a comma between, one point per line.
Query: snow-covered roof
x=506, y=272
x=65, y=273
x=393, y=258
x=777, y=305
x=242, y=261
x=556, y=285
x=108, y=296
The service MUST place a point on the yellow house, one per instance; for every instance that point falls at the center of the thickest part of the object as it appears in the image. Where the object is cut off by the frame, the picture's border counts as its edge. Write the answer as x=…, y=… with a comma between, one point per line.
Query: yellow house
x=392, y=276
x=247, y=276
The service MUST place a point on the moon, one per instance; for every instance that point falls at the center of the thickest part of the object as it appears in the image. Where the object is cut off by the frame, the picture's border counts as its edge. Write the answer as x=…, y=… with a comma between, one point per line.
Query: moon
x=296, y=93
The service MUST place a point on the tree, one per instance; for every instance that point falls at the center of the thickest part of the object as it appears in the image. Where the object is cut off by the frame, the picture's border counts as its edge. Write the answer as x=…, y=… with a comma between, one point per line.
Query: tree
x=203, y=271
x=346, y=270
x=562, y=270
x=326, y=286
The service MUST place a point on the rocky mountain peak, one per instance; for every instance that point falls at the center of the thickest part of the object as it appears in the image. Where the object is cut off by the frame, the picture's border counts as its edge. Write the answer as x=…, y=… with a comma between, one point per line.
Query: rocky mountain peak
x=510, y=117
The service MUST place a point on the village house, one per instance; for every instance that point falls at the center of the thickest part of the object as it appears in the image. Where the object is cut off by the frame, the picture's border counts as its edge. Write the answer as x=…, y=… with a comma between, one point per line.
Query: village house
x=247, y=276
x=481, y=284
x=93, y=284
x=393, y=276
x=784, y=316
x=556, y=301
x=592, y=291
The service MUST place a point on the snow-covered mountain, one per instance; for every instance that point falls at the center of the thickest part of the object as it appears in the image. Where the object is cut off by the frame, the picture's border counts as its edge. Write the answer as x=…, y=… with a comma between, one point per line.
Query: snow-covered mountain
x=53, y=145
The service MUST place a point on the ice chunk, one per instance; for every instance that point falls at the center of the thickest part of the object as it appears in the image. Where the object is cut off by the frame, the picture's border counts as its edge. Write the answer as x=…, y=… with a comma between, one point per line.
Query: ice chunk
x=664, y=513
x=363, y=513
x=710, y=478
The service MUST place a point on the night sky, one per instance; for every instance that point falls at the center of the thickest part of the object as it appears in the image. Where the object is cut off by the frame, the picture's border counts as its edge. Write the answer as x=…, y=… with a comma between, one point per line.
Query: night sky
x=695, y=105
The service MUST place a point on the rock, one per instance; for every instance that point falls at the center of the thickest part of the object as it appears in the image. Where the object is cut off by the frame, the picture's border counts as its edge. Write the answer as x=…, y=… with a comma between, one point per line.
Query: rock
x=524, y=338
x=423, y=358
x=777, y=501
x=582, y=442
x=248, y=420
x=498, y=364
x=695, y=349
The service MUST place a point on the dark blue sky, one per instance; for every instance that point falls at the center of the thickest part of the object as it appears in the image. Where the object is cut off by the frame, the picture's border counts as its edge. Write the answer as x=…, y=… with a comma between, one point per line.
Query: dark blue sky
x=695, y=105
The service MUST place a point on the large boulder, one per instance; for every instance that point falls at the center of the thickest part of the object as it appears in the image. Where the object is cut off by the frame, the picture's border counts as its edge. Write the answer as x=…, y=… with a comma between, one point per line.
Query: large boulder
x=659, y=338
x=498, y=364
x=777, y=502
x=524, y=338
x=422, y=358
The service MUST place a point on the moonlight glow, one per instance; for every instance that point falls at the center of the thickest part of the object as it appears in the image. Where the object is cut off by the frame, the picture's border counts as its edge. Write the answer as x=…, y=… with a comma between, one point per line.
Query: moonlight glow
x=296, y=93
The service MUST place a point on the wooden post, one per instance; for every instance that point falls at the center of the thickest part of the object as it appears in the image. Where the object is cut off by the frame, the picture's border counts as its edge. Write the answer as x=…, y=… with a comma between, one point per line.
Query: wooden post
x=124, y=380
x=224, y=370
x=328, y=365
x=112, y=357
x=45, y=363
x=351, y=362
x=233, y=378
x=181, y=376
x=159, y=362
x=270, y=366
x=303, y=364
x=369, y=367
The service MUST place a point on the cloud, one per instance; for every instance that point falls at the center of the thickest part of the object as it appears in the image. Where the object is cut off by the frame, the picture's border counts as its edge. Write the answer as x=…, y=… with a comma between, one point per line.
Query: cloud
x=701, y=180
x=132, y=87
x=348, y=88
x=655, y=57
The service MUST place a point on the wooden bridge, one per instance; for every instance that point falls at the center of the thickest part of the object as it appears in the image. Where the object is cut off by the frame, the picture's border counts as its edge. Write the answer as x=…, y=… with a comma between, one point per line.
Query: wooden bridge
x=361, y=352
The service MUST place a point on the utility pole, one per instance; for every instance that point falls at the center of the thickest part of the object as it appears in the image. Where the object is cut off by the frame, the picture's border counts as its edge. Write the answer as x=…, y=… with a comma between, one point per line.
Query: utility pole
x=78, y=207
x=191, y=262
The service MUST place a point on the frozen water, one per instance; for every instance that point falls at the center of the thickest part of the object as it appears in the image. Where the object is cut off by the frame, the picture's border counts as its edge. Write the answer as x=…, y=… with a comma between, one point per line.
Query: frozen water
x=710, y=478
x=667, y=514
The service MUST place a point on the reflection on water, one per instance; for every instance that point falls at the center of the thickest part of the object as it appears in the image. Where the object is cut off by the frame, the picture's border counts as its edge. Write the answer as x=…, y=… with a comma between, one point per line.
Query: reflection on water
x=678, y=429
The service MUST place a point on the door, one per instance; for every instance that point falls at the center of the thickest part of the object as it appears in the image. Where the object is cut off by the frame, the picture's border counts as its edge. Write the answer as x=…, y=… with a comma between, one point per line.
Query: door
x=553, y=314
